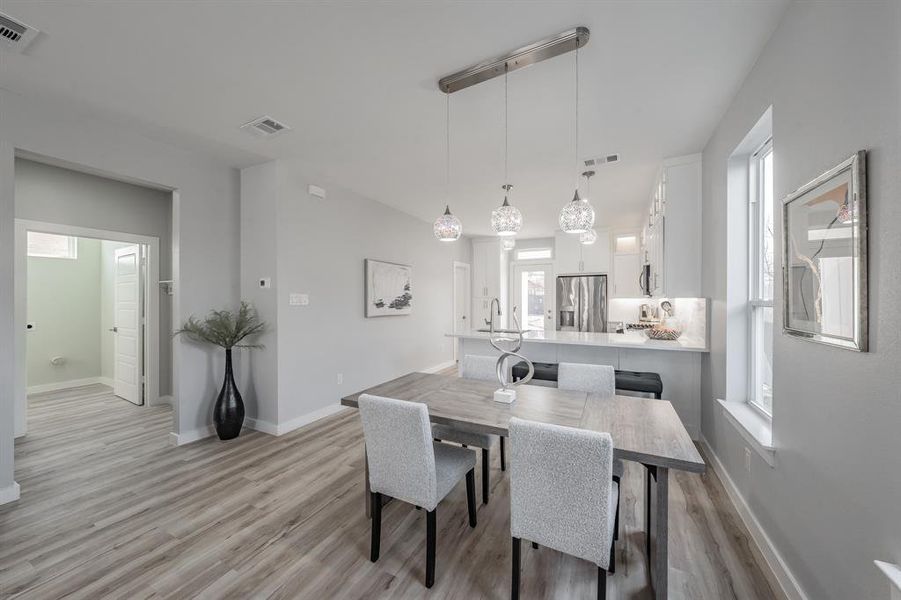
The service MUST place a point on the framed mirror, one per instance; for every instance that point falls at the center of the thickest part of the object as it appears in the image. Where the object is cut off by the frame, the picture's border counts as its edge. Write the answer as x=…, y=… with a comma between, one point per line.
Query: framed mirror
x=824, y=235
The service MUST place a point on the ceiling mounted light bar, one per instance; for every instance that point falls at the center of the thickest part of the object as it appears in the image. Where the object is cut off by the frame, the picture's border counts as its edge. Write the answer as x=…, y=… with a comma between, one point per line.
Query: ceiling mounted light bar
x=523, y=57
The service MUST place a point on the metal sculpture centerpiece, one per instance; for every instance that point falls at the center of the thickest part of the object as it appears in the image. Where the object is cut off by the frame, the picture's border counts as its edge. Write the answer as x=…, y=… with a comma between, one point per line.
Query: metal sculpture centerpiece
x=507, y=393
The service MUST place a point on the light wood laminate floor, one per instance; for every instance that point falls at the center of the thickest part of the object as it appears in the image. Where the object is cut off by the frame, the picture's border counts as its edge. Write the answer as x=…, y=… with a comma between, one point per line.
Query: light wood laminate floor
x=110, y=510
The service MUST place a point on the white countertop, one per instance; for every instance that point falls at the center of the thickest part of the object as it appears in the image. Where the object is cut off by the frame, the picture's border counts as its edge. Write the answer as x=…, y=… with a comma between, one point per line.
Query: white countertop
x=632, y=339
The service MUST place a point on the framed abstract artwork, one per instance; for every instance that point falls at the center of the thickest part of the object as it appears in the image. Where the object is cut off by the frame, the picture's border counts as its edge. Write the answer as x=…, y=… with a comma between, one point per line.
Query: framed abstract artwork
x=824, y=278
x=389, y=289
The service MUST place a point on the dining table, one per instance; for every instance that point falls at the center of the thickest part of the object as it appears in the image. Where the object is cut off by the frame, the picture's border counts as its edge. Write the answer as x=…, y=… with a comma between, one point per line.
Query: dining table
x=644, y=430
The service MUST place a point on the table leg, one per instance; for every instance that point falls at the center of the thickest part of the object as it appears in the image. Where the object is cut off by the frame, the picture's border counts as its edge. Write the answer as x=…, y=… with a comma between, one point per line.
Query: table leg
x=660, y=562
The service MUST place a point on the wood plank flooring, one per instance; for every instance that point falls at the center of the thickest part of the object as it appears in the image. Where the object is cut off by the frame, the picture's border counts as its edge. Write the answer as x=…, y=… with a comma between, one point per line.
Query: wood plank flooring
x=110, y=510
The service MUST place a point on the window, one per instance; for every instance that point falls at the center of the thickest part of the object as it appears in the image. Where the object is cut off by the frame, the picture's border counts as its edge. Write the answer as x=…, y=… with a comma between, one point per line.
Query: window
x=533, y=254
x=762, y=272
x=51, y=245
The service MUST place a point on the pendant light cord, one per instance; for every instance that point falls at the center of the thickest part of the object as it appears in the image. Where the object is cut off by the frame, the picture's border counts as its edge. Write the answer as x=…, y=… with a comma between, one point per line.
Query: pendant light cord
x=506, y=128
x=577, y=112
x=447, y=149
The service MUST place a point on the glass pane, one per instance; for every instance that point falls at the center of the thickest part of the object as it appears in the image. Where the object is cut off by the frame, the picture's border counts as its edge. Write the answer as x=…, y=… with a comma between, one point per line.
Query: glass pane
x=763, y=358
x=533, y=253
x=767, y=263
x=51, y=245
x=532, y=300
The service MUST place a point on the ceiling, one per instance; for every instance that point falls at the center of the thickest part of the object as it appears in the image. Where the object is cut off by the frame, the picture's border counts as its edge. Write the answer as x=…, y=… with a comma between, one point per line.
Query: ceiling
x=358, y=83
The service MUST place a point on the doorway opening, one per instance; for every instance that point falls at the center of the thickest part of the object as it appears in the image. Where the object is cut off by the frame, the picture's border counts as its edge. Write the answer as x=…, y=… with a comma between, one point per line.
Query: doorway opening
x=462, y=320
x=91, y=310
x=533, y=288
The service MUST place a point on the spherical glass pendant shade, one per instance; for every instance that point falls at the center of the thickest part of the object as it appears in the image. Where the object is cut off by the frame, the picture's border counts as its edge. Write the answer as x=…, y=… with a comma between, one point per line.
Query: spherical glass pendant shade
x=508, y=243
x=447, y=227
x=588, y=237
x=577, y=216
x=506, y=220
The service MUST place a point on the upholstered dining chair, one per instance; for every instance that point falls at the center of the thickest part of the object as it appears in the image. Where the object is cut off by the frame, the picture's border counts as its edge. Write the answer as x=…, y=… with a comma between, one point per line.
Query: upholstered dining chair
x=483, y=369
x=405, y=464
x=594, y=379
x=562, y=494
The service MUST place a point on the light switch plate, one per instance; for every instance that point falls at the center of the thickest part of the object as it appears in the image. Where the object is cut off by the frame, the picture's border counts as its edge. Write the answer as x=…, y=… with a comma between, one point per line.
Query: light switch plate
x=265, y=282
x=295, y=299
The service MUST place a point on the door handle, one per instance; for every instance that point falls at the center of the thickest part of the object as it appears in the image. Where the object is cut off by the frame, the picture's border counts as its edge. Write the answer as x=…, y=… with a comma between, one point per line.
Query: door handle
x=114, y=329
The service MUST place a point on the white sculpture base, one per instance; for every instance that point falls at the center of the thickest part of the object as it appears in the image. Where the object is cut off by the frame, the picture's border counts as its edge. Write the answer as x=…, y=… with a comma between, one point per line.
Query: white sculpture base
x=506, y=396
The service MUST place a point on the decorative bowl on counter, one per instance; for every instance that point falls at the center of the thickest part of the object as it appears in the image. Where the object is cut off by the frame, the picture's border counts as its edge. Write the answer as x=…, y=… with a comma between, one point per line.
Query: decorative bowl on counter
x=663, y=332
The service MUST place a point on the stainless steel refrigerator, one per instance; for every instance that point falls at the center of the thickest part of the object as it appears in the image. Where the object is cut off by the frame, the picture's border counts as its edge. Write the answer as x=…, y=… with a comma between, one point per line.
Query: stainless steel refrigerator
x=582, y=303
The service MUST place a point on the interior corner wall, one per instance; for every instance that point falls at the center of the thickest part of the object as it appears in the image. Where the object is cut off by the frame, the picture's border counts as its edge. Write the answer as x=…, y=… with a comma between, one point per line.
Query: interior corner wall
x=205, y=234
x=64, y=301
x=259, y=218
x=831, y=73
x=319, y=249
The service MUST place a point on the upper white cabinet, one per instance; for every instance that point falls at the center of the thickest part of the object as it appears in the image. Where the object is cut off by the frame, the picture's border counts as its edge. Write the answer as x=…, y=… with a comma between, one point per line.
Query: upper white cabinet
x=490, y=272
x=627, y=261
x=571, y=256
x=672, y=234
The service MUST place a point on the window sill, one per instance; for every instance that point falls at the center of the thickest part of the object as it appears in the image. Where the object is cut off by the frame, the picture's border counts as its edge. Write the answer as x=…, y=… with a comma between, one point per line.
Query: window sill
x=753, y=426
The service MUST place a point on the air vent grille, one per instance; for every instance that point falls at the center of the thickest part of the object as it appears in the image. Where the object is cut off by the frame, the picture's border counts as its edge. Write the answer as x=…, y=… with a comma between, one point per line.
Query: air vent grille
x=602, y=160
x=265, y=126
x=15, y=35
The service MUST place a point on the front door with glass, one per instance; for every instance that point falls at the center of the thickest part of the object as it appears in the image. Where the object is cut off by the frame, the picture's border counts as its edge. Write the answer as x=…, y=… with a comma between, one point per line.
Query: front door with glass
x=533, y=295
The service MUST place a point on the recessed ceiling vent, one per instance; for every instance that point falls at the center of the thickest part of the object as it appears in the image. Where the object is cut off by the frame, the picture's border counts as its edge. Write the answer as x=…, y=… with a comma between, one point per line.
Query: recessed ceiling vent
x=265, y=126
x=15, y=35
x=603, y=160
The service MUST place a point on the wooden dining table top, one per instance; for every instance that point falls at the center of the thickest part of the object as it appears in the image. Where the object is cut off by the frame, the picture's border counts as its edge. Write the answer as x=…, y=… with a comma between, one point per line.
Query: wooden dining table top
x=643, y=430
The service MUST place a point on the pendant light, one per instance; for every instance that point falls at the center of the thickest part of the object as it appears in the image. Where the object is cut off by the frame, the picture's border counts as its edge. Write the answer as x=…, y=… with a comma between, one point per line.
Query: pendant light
x=578, y=215
x=506, y=220
x=447, y=227
x=587, y=238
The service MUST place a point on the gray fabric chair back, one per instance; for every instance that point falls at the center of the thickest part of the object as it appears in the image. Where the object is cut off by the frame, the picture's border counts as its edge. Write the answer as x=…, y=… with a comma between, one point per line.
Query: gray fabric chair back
x=594, y=379
x=399, y=449
x=561, y=487
x=479, y=367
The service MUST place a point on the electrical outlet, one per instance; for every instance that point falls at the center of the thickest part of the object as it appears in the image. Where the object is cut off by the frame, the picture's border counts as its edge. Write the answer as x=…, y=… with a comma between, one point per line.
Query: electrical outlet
x=340, y=378
x=298, y=299
x=748, y=460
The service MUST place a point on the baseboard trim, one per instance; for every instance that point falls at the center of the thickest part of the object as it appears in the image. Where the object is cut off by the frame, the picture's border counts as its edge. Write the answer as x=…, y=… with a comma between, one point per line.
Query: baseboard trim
x=311, y=417
x=64, y=385
x=106, y=381
x=261, y=426
x=180, y=439
x=10, y=493
x=163, y=400
x=440, y=367
x=779, y=569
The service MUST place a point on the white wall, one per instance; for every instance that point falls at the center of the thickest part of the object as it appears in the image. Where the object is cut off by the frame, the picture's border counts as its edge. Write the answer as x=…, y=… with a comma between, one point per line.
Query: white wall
x=205, y=234
x=319, y=249
x=830, y=506
x=63, y=302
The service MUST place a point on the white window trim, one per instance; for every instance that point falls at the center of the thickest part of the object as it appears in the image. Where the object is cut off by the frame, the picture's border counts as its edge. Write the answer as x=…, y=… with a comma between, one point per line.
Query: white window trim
x=755, y=217
x=549, y=257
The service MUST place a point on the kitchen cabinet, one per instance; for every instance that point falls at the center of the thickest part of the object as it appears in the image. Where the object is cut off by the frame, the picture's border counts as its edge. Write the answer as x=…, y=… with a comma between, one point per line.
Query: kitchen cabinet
x=571, y=256
x=671, y=238
x=490, y=274
x=627, y=261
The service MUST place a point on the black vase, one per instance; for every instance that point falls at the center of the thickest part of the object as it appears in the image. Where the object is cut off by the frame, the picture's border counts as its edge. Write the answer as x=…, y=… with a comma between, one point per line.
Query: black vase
x=228, y=414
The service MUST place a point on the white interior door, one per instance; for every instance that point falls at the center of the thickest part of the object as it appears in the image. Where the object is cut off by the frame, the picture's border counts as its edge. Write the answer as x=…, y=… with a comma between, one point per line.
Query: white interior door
x=533, y=295
x=127, y=325
x=462, y=316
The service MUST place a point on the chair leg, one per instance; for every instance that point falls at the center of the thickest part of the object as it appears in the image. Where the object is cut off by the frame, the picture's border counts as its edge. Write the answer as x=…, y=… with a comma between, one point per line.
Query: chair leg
x=602, y=584
x=534, y=545
x=514, y=588
x=471, y=496
x=485, y=465
x=616, y=518
x=376, y=509
x=503, y=455
x=611, y=568
x=430, y=548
